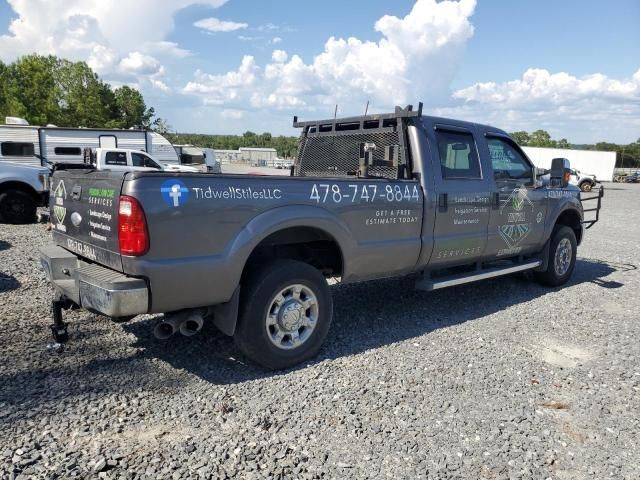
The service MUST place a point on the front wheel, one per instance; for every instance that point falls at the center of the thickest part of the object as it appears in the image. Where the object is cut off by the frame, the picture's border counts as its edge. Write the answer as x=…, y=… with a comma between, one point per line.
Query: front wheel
x=586, y=186
x=562, y=257
x=285, y=314
x=17, y=206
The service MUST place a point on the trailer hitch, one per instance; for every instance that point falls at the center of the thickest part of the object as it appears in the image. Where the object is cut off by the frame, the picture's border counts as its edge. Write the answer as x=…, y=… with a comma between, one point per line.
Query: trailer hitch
x=59, y=327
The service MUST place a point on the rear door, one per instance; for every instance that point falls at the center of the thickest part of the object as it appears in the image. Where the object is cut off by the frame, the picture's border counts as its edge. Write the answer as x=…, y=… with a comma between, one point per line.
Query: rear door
x=84, y=214
x=463, y=196
x=517, y=220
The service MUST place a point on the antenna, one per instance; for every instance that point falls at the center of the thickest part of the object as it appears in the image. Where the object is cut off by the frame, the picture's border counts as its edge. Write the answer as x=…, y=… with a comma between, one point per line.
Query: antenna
x=366, y=109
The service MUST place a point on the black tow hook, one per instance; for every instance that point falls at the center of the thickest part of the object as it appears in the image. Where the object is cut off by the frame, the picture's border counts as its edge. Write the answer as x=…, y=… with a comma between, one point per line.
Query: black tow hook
x=59, y=327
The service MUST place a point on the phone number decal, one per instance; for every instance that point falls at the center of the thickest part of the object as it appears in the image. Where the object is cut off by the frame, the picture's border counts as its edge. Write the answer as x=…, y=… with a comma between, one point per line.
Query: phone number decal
x=365, y=193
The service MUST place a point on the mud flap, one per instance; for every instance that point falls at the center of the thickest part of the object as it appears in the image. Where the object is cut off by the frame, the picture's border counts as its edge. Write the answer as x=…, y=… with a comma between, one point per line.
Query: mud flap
x=225, y=315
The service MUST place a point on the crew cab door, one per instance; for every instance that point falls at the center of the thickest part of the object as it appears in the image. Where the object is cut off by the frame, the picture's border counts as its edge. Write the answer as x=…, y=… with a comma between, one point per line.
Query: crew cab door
x=463, y=196
x=518, y=209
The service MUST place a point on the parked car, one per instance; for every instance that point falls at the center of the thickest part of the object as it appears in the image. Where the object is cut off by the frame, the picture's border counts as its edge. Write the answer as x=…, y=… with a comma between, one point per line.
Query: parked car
x=125, y=160
x=584, y=181
x=633, y=178
x=23, y=188
x=370, y=197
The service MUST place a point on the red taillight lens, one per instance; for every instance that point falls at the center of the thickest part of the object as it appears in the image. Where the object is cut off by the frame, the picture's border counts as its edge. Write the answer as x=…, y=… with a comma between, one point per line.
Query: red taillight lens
x=132, y=227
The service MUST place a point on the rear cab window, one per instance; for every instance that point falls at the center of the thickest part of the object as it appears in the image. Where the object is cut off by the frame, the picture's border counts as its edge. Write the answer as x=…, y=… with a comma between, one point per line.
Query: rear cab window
x=115, y=158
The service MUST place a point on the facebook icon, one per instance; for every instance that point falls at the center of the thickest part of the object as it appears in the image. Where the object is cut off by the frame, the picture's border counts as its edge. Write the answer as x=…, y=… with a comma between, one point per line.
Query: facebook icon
x=174, y=192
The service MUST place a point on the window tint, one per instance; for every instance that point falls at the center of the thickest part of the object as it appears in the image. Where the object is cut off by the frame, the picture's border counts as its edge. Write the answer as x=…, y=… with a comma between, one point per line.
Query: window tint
x=508, y=163
x=141, y=160
x=17, y=149
x=116, y=158
x=67, y=151
x=458, y=157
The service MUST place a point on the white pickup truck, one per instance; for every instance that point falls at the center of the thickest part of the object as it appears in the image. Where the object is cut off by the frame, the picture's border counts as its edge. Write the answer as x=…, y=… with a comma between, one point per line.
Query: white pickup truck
x=23, y=188
x=120, y=159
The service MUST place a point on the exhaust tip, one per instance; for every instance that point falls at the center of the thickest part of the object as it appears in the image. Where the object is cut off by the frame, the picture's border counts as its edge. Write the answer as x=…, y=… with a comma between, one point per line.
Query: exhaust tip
x=191, y=326
x=163, y=330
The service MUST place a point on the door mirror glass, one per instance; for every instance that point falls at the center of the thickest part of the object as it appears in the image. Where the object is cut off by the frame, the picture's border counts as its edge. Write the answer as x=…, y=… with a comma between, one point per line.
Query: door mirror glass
x=560, y=172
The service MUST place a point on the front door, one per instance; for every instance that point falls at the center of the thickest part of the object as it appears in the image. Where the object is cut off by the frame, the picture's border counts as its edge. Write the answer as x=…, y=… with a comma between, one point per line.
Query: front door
x=517, y=219
x=463, y=198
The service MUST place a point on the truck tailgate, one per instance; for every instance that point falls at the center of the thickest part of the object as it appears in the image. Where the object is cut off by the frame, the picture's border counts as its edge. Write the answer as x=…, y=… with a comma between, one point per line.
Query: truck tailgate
x=84, y=214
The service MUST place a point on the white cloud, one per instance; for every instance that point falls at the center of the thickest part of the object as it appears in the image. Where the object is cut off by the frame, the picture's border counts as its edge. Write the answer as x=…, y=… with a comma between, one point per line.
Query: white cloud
x=126, y=43
x=276, y=40
x=279, y=56
x=215, y=25
x=415, y=59
x=232, y=114
x=579, y=108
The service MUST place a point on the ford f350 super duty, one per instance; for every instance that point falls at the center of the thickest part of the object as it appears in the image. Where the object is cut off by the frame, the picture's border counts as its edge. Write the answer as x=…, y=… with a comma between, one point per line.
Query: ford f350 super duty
x=368, y=197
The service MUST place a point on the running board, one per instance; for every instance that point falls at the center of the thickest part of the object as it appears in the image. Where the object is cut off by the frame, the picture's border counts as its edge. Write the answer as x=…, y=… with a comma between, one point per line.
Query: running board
x=429, y=284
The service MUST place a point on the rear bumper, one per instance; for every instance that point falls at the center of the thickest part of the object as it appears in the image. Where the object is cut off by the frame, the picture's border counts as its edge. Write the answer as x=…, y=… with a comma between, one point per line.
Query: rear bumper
x=92, y=286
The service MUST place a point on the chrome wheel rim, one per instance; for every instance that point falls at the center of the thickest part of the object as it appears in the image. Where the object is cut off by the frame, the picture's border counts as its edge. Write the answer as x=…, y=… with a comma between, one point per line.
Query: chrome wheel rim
x=562, y=260
x=292, y=316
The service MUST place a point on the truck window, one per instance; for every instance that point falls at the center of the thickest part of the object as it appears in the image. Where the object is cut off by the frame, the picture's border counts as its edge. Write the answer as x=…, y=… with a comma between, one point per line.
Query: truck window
x=458, y=155
x=507, y=162
x=141, y=160
x=115, y=158
x=17, y=149
x=67, y=151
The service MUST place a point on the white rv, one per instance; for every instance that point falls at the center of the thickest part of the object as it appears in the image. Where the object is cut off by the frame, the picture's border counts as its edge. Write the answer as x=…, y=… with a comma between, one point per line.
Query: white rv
x=34, y=145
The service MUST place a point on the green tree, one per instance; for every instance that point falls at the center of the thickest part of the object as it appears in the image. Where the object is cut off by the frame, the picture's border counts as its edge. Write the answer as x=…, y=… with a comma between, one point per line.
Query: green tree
x=521, y=138
x=541, y=138
x=32, y=90
x=130, y=109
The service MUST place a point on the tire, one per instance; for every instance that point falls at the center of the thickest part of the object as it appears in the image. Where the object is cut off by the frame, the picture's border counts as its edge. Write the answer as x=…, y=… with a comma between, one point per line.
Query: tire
x=586, y=186
x=17, y=207
x=274, y=327
x=562, y=257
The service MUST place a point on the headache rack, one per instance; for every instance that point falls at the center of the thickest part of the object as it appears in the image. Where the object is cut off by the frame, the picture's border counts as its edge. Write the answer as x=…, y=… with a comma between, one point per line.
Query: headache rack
x=367, y=146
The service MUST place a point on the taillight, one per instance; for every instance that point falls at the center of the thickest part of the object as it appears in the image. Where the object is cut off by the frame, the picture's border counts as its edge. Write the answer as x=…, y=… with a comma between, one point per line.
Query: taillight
x=132, y=227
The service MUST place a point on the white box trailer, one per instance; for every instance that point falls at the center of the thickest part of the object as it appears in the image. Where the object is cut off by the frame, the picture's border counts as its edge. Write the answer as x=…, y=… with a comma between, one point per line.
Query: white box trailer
x=600, y=164
x=37, y=145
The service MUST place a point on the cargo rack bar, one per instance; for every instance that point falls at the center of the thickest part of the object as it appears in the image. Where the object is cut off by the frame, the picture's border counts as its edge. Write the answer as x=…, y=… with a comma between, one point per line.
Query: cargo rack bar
x=590, y=223
x=375, y=120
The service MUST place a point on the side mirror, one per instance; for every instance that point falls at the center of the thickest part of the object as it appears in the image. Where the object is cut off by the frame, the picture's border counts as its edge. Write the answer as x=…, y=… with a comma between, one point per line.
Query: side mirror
x=560, y=172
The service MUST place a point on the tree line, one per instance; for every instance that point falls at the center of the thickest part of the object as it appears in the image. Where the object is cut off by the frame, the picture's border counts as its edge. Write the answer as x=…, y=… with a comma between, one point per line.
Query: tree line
x=51, y=90
x=627, y=155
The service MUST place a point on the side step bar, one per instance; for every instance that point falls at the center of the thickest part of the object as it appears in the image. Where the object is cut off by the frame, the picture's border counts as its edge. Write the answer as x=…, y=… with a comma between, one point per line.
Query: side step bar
x=429, y=284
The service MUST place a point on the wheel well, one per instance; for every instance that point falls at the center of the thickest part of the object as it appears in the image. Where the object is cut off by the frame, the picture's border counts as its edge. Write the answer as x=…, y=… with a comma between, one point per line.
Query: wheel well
x=571, y=219
x=306, y=244
x=23, y=187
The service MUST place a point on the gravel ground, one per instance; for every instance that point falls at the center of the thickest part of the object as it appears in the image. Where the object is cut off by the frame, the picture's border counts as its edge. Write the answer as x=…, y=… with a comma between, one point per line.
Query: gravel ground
x=500, y=379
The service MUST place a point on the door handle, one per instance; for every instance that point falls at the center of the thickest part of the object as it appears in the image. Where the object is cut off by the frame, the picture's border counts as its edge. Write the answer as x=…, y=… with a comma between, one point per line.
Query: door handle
x=443, y=201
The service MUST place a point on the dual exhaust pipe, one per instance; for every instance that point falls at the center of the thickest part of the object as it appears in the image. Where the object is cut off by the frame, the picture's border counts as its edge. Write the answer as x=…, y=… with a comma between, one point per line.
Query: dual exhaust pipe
x=187, y=322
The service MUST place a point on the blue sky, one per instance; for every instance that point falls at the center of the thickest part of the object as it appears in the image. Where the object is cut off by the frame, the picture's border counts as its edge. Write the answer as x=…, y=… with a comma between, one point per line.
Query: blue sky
x=570, y=67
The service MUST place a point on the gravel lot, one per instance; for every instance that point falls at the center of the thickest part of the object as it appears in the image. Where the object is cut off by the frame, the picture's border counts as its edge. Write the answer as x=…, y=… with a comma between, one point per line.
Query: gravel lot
x=500, y=379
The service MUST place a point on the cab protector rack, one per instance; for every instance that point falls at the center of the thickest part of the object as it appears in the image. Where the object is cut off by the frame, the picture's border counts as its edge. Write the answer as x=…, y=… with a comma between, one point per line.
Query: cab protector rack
x=599, y=194
x=367, y=146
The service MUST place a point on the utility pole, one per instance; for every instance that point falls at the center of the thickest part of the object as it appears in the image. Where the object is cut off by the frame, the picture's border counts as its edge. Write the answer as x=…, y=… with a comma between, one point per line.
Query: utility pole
x=622, y=159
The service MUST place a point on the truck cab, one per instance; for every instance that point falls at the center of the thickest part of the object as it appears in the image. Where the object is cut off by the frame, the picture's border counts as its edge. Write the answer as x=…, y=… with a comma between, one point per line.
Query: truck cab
x=126, y=160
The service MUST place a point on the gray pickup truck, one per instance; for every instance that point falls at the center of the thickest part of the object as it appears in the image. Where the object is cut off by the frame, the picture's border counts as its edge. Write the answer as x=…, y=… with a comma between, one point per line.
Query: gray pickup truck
x=368, y=197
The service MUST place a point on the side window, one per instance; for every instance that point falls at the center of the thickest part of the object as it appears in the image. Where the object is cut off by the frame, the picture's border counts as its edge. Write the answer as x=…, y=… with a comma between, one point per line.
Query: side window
x=17, y=149
x=508, y=163
x=115, y=158
x=458, y=155
x=141, y=160
x=67, y=151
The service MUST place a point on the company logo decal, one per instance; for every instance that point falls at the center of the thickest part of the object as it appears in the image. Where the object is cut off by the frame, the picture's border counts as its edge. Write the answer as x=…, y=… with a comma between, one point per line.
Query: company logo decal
x=514, y=210
x=174, y=192
x=59, y=211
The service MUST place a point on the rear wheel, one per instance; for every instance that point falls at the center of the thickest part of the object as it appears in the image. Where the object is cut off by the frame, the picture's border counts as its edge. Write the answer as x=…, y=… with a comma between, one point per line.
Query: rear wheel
x=285, y=314
x=17, y=206
x=562, y=257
